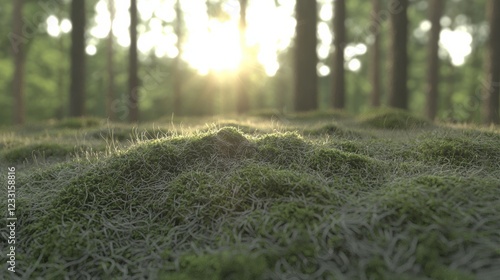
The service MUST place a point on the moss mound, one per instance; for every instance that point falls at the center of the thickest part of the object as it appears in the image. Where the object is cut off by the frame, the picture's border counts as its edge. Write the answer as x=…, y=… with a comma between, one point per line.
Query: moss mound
x=221, y=265
x=77, y=123
x=230, y=203
x=393, y=119
x=428, y=207
x=284, y=149
x=333, y=129
x=335, y=163
x=461, y=151
x=40, y=150
x=268, y=182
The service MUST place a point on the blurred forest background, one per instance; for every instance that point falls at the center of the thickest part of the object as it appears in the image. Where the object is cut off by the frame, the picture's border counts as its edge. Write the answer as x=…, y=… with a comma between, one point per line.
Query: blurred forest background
x=58, y=58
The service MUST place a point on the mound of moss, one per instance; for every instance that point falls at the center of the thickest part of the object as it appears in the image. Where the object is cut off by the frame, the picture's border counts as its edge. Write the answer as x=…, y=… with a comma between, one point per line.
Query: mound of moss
x=221, y=265
x=39, y=150
x=284, y=149
x=333, y=130
x=336, y=163
x=77, y=123
x=393, y=119
x=227, y=204
x=445, y=215
x=123, y=133
x=459, y=150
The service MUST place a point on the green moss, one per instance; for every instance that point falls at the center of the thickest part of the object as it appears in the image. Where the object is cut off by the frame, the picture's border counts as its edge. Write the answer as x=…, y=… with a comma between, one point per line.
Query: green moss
x=241, y=128
x=268, y=182
x=290, y=201
x=77, y=123
x=458, y=150
x=424, y=198
x=283, y=149
x=333, y=130
x=393, y=119
x=319, y=115
x=223, y=265
x=267, y=113
x=39, y=150
x=190, y=191
x=333, y=162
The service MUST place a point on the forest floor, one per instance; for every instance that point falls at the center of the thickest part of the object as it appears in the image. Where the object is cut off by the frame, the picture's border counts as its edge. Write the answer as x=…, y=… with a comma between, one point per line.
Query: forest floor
x=308, y=196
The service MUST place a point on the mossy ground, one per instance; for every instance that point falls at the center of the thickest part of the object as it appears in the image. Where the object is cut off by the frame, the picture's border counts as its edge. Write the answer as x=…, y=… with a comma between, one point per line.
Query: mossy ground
x=311, y=196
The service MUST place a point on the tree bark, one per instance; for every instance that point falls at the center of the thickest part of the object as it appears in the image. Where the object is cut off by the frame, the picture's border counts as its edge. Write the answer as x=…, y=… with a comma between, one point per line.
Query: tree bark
x=436, y=8
x=492, y=94
x=110, y=64
x=242, y=103
x=133, y=65
x=306, y=58
x=398, y=91
x=19, y=62
x=340, y=42
x=77, y=83
x=375, y=55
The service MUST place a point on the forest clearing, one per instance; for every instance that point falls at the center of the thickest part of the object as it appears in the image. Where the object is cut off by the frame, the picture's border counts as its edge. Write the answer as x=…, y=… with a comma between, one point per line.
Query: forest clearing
x=250, y=139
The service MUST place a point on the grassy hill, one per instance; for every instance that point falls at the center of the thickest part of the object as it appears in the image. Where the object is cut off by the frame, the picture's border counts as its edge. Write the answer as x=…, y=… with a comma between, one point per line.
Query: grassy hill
x=307, y=196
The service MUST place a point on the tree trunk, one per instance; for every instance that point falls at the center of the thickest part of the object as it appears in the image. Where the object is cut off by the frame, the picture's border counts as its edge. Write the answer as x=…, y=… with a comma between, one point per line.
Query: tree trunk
x=110, y=65
x=340, y=42
x=77, y=84
x=436, y=8
x=19, y=61
x=492, y=94
x=375, y=55
x=306, y=58
x=242, y=103
x=178, y=77
x=133, y=65
x=398, y=91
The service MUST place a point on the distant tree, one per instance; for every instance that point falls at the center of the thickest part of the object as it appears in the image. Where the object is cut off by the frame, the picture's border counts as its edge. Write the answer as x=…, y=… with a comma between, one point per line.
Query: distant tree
x=110, y=65
x=19, y=61
x=242, y=104
x=492, y=100
x=77, y=79
x=178, y=76
x=436, y=8
x=306, y=58
x=339, y=43
x=398, y=91
x=133, y=78
x=375, y=55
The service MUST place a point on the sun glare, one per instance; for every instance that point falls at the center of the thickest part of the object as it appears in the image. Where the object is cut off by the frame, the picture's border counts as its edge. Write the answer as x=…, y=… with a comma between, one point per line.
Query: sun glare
x=217, y=49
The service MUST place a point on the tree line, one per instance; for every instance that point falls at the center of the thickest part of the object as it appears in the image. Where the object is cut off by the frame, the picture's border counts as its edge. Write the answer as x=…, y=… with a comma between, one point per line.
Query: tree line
x=305, y=58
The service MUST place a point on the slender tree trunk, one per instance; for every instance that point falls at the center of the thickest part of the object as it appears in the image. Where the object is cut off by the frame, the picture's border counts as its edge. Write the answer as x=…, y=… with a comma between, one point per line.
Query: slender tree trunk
x=492, y=94
x=62, y=72
x=436, y=8
x=242, y=103
x=19, y=61
x=110, y=64
x=77, y=84
x=339, y=42
x=178, y=76
x=133, y=65
x=306, y=58
x=375, y=55
x=398, y=91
